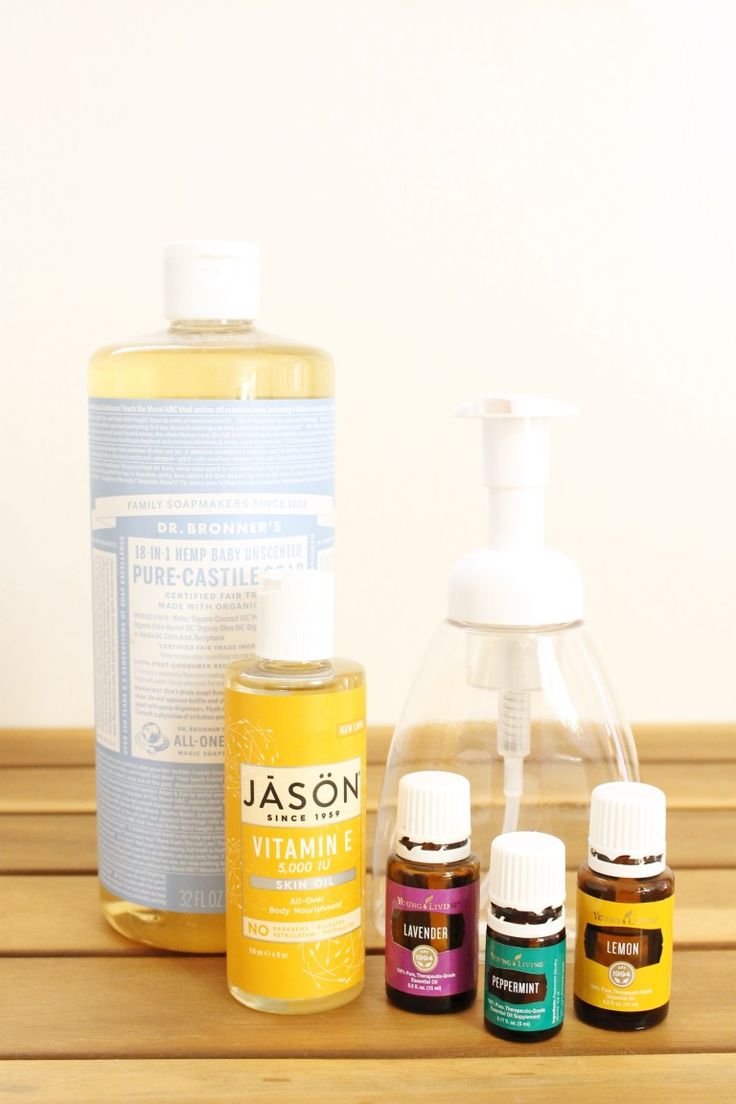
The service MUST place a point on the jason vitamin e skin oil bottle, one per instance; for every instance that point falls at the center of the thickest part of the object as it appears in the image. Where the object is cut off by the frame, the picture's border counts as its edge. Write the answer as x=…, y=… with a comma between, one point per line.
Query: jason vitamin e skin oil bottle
x=623, y=954
x=211, y=455
x=295, y=807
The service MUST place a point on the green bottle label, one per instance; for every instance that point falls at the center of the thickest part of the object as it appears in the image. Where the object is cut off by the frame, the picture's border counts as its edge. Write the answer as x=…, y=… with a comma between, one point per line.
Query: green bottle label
x=524, y=986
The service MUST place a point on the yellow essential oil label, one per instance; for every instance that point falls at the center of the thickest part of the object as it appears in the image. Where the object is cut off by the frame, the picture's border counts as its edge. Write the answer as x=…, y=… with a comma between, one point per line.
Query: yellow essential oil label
x=295, y=831
x=623, y=953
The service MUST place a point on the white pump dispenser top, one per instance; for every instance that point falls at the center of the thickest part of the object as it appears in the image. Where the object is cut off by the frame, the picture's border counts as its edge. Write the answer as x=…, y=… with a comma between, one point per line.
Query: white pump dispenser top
x=516, y=580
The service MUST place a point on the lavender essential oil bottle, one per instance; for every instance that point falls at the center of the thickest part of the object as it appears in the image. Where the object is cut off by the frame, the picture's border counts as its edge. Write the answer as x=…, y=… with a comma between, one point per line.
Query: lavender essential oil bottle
x=432, y=897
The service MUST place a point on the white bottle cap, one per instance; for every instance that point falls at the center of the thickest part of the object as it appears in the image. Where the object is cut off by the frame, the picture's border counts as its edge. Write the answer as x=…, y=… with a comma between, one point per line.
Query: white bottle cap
x=211, y=280
x=296, y=615
x=627, y=820
x=433, y=808
x=527, y=873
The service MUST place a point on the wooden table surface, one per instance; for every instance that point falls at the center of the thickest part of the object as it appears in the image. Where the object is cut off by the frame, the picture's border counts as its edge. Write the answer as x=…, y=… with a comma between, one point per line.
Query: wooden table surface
x=86, y=1016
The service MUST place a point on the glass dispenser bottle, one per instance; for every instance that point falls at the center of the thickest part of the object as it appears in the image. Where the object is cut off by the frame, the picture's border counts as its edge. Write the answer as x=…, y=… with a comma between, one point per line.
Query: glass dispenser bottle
x=511, y=693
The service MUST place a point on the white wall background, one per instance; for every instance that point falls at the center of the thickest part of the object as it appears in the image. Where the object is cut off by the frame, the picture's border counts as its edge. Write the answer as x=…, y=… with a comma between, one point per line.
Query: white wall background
x=452, y=197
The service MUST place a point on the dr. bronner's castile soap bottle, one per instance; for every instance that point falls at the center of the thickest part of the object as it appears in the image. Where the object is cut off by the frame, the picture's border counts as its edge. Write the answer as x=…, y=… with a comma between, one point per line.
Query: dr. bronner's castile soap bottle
x=432, y=897
x=525, y=938
x=623, y=955
x=295, y=807
x=211, y=452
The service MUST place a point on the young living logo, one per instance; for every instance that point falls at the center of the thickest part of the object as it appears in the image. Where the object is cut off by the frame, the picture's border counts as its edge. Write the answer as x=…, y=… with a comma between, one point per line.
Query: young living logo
x=628, y=920
x=428, y=904
x=513, y=962
x=320, y=794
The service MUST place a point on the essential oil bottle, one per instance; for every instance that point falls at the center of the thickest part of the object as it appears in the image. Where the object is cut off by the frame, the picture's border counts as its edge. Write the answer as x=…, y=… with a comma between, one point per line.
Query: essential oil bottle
x=525, y=938
x=295, y=806
x=623, y=957
x=432, y=897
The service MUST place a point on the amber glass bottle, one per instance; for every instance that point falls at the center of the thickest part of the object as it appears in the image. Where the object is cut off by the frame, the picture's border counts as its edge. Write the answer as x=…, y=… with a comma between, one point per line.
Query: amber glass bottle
x=623, y=958
x=432, y=897
x=525, y=938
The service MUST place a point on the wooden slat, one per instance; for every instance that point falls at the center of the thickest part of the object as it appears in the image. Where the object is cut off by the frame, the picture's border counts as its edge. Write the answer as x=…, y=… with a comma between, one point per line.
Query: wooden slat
x=687, y=785
x=46, y=747
x=60, y=915
x=179, y=1007
x=695, y=837
x=66, y=843
x=57, y=915
x=655, y=742
x=674, y=743
x=47, y=790
x=72, y=790
x=59, y=843
x=704, y=908
x=522, y=1079
x=686, y=743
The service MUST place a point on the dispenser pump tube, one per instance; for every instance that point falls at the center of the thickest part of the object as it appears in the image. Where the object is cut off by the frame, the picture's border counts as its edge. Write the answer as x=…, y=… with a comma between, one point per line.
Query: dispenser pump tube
x=515, y=581
x=515, y=464
x=516, y=517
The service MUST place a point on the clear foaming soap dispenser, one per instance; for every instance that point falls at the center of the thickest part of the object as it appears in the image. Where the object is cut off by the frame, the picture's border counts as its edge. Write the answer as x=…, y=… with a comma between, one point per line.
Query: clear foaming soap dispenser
x=511, y=693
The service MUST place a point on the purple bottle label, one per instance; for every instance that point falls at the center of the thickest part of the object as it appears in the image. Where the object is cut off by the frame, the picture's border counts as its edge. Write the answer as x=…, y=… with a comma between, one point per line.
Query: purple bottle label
x=431, y=939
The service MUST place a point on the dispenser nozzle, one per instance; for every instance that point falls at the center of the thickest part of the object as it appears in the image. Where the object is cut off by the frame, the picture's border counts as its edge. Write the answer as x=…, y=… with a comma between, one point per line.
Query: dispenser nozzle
x=515, y=437
x=515, y=580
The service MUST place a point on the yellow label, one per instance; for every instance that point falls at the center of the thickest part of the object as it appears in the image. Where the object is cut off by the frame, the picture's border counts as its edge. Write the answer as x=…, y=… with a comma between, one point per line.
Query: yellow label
x=295, y=842
x=623, y=953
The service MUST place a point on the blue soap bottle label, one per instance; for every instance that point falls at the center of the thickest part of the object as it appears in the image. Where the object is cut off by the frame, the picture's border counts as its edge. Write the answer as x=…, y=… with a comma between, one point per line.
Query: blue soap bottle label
x=192, y=499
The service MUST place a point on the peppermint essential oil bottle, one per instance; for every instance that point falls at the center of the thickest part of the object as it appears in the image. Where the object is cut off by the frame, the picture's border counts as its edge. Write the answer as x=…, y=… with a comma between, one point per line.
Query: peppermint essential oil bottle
x=525, y=938
x=432, y=897
x=623, y=957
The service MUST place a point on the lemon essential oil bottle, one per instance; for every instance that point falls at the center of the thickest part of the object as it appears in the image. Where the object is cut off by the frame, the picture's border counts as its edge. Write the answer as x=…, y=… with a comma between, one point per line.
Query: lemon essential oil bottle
x=432, y=897
x=525, y=938
x=625, y=904
x=295, y=806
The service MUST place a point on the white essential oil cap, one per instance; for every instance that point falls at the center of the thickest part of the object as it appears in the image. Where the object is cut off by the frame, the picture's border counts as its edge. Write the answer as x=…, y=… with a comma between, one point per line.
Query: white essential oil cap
x=527, y=872
x=433, y=808
x=296, y=615
x=627, y=819
x=211, y=280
